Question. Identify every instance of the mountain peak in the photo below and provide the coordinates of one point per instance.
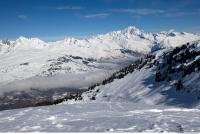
(170, 32)
(133, 30)
(25, 39)
(36, 42)
(21, 38)
(69, 40)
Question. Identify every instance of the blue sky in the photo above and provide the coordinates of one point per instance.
(56, 19)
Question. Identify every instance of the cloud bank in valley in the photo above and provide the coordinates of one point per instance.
(71, 81)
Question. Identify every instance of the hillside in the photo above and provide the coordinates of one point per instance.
(157, 93)
(33, 71)
(156, 90)
(167, 77)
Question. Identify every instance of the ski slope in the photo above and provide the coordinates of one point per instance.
(100, 117)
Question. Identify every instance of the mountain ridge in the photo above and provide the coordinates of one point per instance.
(125, 36)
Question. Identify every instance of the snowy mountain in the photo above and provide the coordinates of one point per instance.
(52, 68)
(40, 55)
(130, 38)
(156, 93)
(166, 77)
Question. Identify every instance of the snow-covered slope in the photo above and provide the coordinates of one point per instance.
(166, 77)
(145, 96)
(31, 59)
(135, 99)
(100, 117)
(174, 39)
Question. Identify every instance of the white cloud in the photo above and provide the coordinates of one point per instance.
(101, 15)
(144, 11)
(22, 17)
(141, 11)
(71, 81)
(65, 7)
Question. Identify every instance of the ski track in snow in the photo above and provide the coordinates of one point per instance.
(118, 117)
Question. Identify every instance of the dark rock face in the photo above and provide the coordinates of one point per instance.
(23, 64)
(130, 52)
(179, 62)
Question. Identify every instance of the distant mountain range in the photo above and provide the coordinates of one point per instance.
(105, 45)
